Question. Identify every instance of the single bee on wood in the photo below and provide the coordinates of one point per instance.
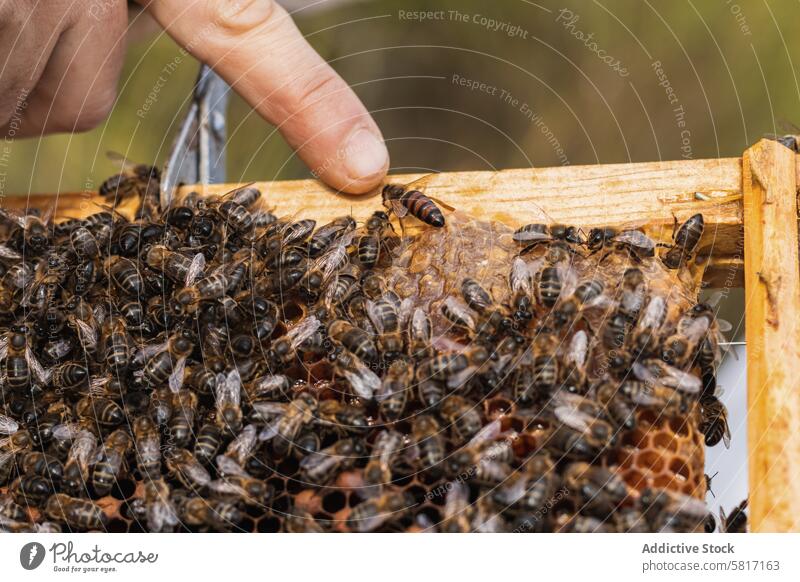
(411, 199)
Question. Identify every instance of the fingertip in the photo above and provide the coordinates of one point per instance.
(362, 163)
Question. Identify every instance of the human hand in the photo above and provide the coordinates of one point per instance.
(63, 60)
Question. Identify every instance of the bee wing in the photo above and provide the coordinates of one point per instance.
(7, 252)
(12, 216)
(680, 380)
(726, 436)
(228, 466)
(333, 259)
(516, 490)
(161, 515)
(636, 238)
(457, 500)
(8, 425)
(420, 324)
(520, 280)
(460, 378)
(653, 315)
(42, 375)
(573, 418)
(373, 312)
(119, 160)
(404, 311)
(303, 330)
(229, 388)
(364, 382)
(3, 347)
(446, 344)
(317, 459)
(195, 269)
(176, 377)
(399, 210)
(578, 348)
(460, 310)
(241, 447)
(97, 385)
(488, 433)
(65, 432)
(86, 333)
(225, 487)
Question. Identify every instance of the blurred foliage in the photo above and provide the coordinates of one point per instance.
(729, 65)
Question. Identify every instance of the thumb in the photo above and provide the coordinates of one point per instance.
(258, 50)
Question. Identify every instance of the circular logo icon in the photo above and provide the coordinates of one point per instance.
(31, 555)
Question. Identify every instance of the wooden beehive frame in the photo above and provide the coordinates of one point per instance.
(750, 209)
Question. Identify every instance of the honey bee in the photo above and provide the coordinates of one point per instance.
(81, 455)
(354, 339)
(410, 199)
(76, 513)
(429, 442)
(208, 441)
(324, 267)
(618, 408)
(574, 375)
(387, 320)
(68, 376)
(213, 513)
(454, 368)
(532, 235)
(22, 367)
(457, 516)
(634, 293)
(630, 240)
(322, 466)
(462, 416)
(184, 467)
(363, 381)
(373, 513)
(234, 483)
(181, 425)
(103, 411)
(666, 510)
(228, 399)
(161, 513)
(587, 417)
(369, 245)
(646, 334)
(520, 281)
(176, 266)
(342, 416)
(327, 234)
(284, 350)
(657, 372)
(530, 488)
(736, 522)
(588, 294)
(125, 275)
(133, 180)
(681, 348)
(168, 363)
(714, 424)
(685, 240)
(420, 334)
(44, 465)
(599, 492)
(458, 314)
(545, 362)
(484, 457)
(148, 447)
(301, 521)
(392, 395)
(112, 458)
(31, 490)
(286, 420)
(378, 472)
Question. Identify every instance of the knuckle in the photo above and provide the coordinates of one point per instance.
(241, 16)
(308, 91)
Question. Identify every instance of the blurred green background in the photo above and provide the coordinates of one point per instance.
(726, 66)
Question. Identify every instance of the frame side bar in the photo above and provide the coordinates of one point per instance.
(772, 319)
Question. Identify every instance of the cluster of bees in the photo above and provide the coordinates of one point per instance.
(200, 350)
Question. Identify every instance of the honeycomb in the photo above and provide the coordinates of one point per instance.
(663, 450)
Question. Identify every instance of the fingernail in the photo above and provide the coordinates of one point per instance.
(365, 155)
